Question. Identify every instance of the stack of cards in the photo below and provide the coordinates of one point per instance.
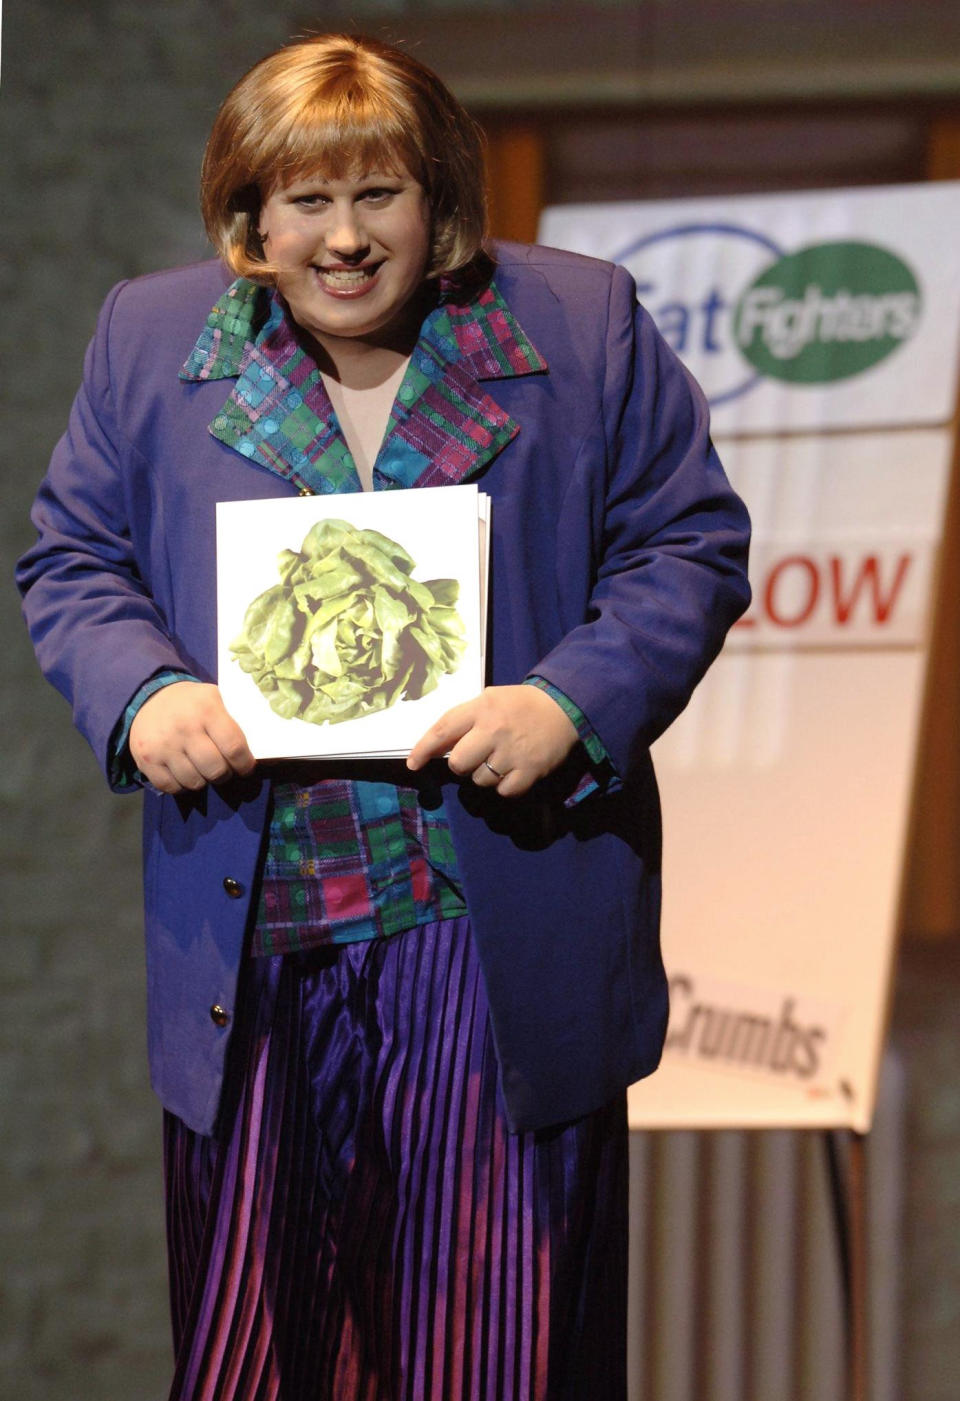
(348, 624)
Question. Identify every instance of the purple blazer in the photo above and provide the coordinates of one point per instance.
(618, 563)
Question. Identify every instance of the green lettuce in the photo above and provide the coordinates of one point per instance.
(348, 631)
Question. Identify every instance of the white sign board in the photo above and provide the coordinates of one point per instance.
(820, 310)
(786, 789)
(787, 782)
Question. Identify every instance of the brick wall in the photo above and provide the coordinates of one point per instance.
(103, 113)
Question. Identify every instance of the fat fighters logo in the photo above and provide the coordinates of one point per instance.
(750, 311)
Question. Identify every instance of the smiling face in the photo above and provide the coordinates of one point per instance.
(352, 254)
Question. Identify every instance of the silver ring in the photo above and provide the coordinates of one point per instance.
(496, 772)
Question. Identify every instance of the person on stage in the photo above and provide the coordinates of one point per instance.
(393, 1006)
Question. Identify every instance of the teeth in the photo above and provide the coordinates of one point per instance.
(345, 277)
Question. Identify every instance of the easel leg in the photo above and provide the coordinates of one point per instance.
(848, 1182)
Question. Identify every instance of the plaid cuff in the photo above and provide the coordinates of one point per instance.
(601, 774)
(122, 772)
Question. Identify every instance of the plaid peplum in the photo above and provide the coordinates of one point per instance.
(350, 860)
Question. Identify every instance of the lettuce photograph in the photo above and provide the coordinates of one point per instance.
(347, 631)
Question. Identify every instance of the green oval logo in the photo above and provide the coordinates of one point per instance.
(827, 312)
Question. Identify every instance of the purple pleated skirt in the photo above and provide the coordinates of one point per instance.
(364, 1227)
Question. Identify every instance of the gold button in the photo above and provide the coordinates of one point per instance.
(233, 887)
(219, 1015)
(305, 491)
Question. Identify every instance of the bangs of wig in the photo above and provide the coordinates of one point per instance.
(341, 133)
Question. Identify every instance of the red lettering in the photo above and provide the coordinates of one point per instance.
(775, 614)
(867, 578)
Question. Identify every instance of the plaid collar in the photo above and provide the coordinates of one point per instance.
(443, 427)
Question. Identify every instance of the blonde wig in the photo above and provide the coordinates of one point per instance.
(334, 105)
